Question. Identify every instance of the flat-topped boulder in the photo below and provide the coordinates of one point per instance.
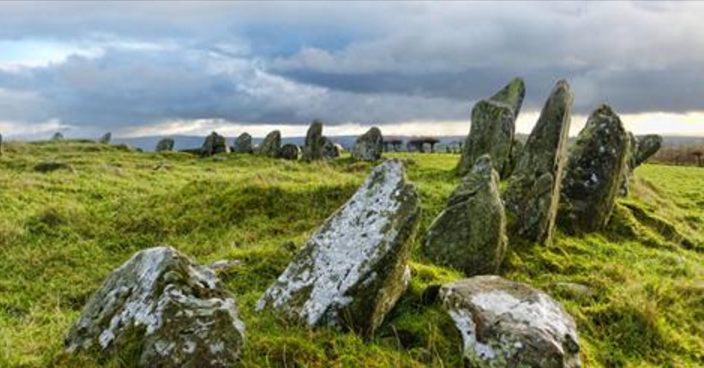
(105, 139)
(594, 173)
(369, 146)
(533, 192)
(243, 144)
(648, 145)
(313, 147)
(271, 145)
(214, 144)
(173, 311)
(510, 324)
(290, 152)
(165, 145)
(493, 127)
(353, 269)
(470, 233)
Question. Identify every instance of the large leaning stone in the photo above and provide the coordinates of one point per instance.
(493, 127)
(165, 145)
(313, 147)
(594, 173)
(470, 233)
(214, 144)
(369, 146)
(648, 145)
(533, 191)
(510, 324)
(172, 311)
(271, 145)
(243, 144)
(353, 269)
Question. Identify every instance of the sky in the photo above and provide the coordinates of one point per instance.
(412, 68)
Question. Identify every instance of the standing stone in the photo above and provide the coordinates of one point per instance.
(105, 139)
(243, 143)
(354, 267)
(533, 191)
(271, 145)
(57, 137)
(630, 165)
(369, 146)
(493, 127)
(330, 150)
(648, 145)
(470, 234)
(594, 173)
(510, 324)
(290, 152)
(173, 312)
(165, 144)
(313, 147)
(214, 144)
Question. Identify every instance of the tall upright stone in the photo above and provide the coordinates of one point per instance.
(533, 191)
(354, 268)
(493, 127)
(271, 145)
(165, 144)
(105, 139)
(214, 144)
(369, 146)
(470, 233)
(594, 173)
(648, 145)
(630, 165)
(243, 143)
(313, 147)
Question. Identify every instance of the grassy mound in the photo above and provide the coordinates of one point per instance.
(63, 230)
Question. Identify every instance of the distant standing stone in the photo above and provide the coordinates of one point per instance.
(243, 143)
(630, 165)
(470, 233)
(313, 147)
(353, 269)
(509, 324)
(165, 144)
(648, 145)
(369, 146)
(330, 151)
(176, 312)
(105, 139)
(214, 144)
(493, 127)
(271, 146)
(533, 191)
(338, 149)
(290, 152)
(57, 137)
(594, 173)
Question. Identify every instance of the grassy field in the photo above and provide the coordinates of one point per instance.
(62, 232)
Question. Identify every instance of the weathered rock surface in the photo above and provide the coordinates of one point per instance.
(369, 146)
(165, 144)
(594, 173)
(290, 152)
(648, 145)
(243, 144)
(493, 127)
(509, 324)
(313, 147)
(470, 233)
(330, 150)
(353, 269)
(214, 144)
(105, 139)
(513, 157)
(175, 311)
(630, 165)
(57, 137)
(271, 145)
(533, 191)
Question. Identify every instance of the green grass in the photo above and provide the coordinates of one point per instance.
(62, 232)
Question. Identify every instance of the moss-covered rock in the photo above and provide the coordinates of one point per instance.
(533, 190)
(369, 146)
(510, 324)
(493, 127)
(353, 269)
(165, 144)
(313, 147)
(290, 152)
(470, 233)
(214, 144)
(648, 145)
(243, 143)
(165, 309)
(594, 173)
(271, 145)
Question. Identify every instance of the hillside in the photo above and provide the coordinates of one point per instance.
(62, 232)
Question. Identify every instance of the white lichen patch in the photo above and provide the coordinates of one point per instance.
(468, 329)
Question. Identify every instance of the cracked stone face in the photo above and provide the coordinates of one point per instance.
(353, 269)
(172, 309)
(369, 146)
(510, 324)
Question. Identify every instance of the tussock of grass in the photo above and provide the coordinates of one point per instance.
(62, 232)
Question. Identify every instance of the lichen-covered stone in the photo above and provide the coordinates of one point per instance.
(105, 139)
(533, 192)
(243, 144)
(57, 137)
(271, 145)
(369, 146)
(330, 150)
(470, 233)
(313, 147)
(353, 269)
(648, 145)
(165, 144)
(510, 324)
(214, 144)
(173, 310)
(594, 173)
(493, 127)
(630, 165)
(513, 157)
(290, 152)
